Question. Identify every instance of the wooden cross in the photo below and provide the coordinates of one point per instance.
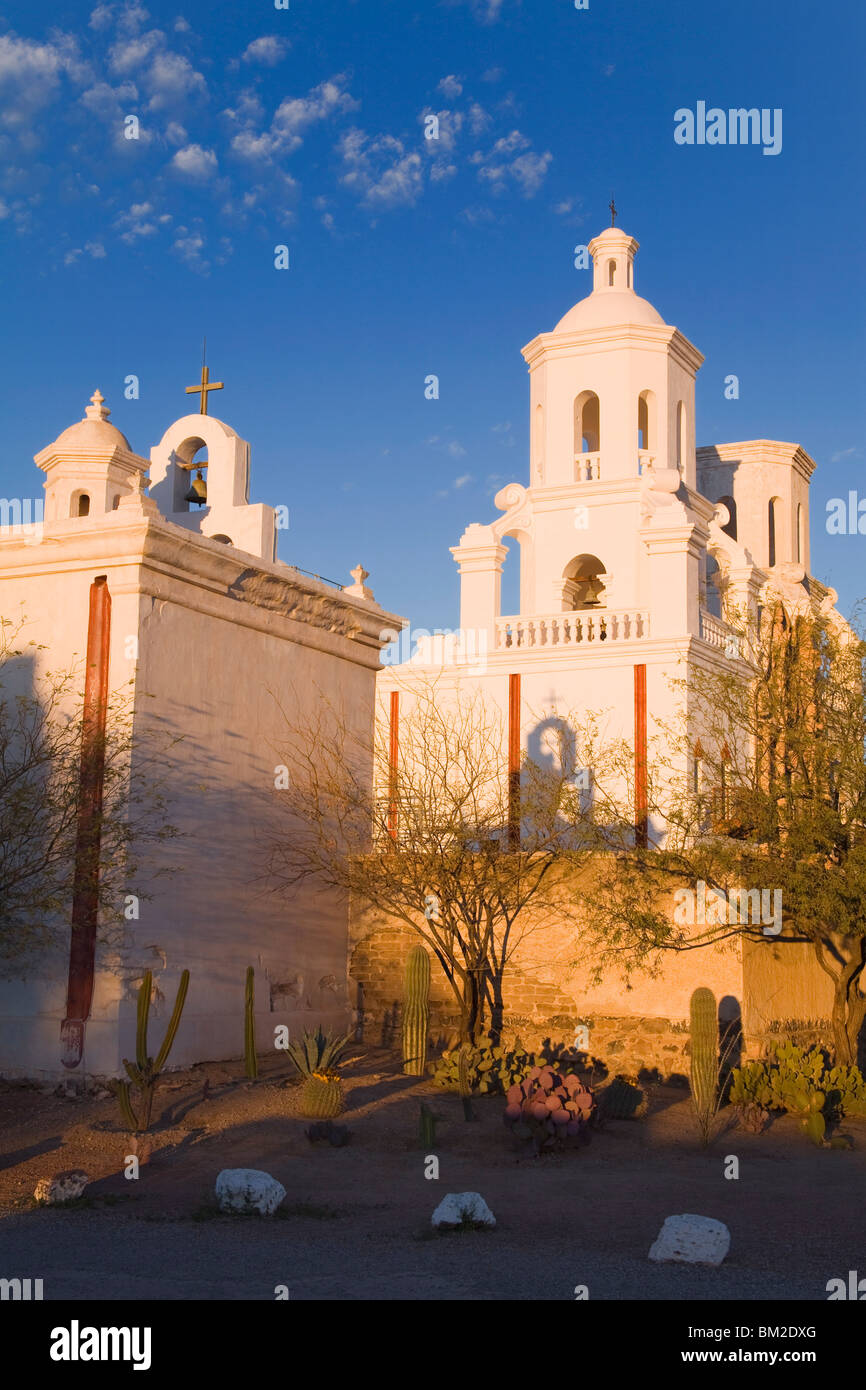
(612, 206)
(205, 385)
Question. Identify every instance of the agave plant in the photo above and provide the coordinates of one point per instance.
(317, 1052)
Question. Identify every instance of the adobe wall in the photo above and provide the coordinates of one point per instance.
(548, 994)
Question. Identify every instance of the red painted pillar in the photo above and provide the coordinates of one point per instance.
(514, 762)
(393, 754)
(640, 757)
(85, 889)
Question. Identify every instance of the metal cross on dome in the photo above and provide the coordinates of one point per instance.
(612, 206)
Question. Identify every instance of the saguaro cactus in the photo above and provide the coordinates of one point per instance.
(144, 1073)
(250, 1059)
(416, 1011)
(704, 1030)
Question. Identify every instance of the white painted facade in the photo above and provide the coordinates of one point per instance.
(209, 631)
(631, 542)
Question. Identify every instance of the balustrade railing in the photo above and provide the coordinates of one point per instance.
(576, 629)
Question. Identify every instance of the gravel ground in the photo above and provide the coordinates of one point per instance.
(356, 1220)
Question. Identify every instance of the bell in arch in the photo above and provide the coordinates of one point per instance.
(198, 491)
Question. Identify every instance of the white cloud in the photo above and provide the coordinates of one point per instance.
(30, 77)
(138, 222)
(291, 121)
(456, 450)
(450, 86)
(168, 77)
(175, 133)
(172, 80)
(94, 249)
(379, 171)
(844, 454)
(188, 246)
(268, 50)
(128, 54)
(478, 118)
(526, 169)
(463, 480)
(194, 162)
(530, 170)
(101, 17)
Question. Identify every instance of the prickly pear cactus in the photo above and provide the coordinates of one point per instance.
(321, 1096)
(416, 1012)
(704, 1029)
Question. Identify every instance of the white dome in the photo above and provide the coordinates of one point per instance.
(93, 432)
(606, 307)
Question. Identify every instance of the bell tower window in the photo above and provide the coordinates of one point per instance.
(611, 272)
(83, 505)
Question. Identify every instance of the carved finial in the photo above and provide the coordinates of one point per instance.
(97, 410)
(359, 588)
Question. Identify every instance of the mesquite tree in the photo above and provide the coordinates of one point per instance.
(441, 838)
(40, 787)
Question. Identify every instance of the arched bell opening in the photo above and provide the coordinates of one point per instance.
(584, 584)
(190, 483)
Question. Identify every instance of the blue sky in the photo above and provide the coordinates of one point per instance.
(305, 127)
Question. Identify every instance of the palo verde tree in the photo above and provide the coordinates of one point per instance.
(40, 788)
(440, 837)
(758, 791)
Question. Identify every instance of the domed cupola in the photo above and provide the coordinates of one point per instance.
(89, 467)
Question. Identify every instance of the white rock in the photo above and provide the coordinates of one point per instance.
(693, 1240)
(248, 1189)
(458, 1207)
(63, 1187)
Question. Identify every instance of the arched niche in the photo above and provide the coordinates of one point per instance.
(774, 537)
(647, 437)
(587, 423)
(518, 588)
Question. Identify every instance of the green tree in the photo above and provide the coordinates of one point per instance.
(760, 784)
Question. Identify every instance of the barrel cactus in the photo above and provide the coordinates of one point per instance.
(321, 1095)
(416, 1012)
(622, 1099)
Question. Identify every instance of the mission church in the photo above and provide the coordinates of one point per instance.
(631, 542)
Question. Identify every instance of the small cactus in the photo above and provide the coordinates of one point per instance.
(251, 1061)
(621, 1099)
(416, 1011)
(321, 1096)
(427, 1128)
(144, 1072)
